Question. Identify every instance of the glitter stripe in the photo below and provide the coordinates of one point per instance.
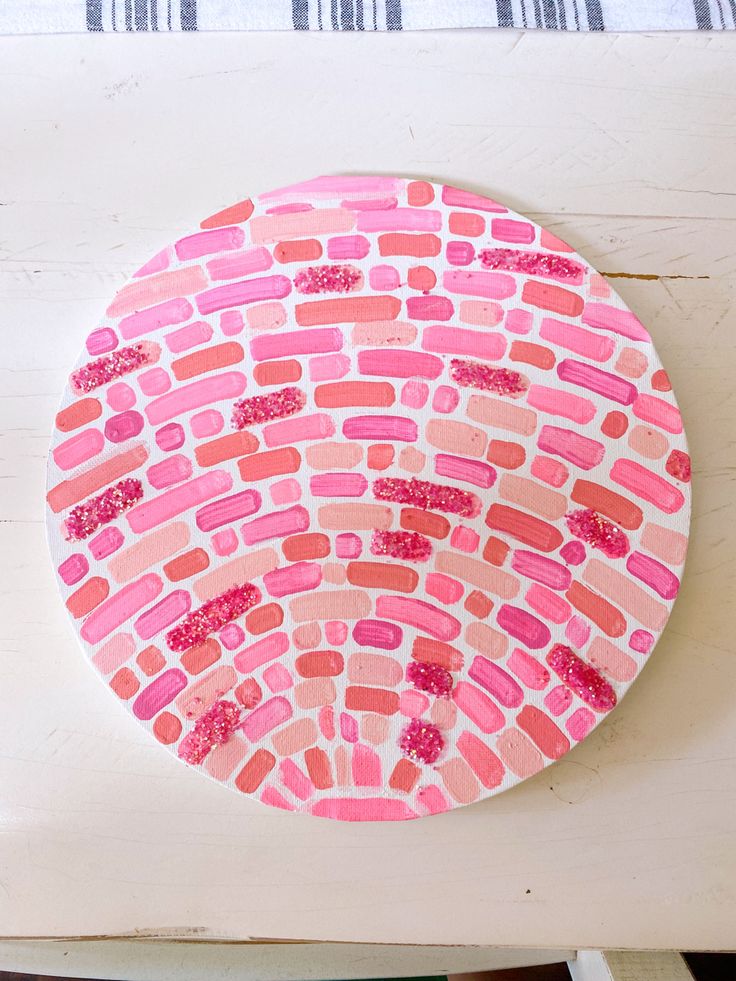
(87, 517)
(473, 374)
(408, 545)
(213, 728)
(427, 495)
(328, 279)
(544, 264)
(421, 742)
(99, 372)
(215, 613)
(596, 531)
(581, 678)
(432, 678)
(264, 408)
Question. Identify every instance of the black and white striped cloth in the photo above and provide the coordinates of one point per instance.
(71, 16)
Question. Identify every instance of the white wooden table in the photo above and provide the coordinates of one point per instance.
(625, 146)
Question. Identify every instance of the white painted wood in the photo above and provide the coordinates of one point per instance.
(109, 147)
(629, 965)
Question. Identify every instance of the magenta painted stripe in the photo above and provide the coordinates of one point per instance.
(654, 574)
(377, 633)
(338, 484)
(522, 625)
(484, 344)
(470, 471)
(647, 485)
(658, 412)
(159, 693)
(215, 388)
(198, 332)
(317, 426)
(163, 614)
(119, 607)
(261, 652)
(400, 220)
(78, 449)
(228, 509)
(559, 403)
(605, 317)
(399, 364)
(240, 264)
(571, 446)
(314, 341)
(294, 578)
(429, 308)
(496, 681)
(478, 707)
(278, 524)
(266, 717)
(509, 230)
(597, 347)
(416, 613)
(380, 427)
(541, 569)
(348, 247)
(491, 285)
(245, 291)
(170, 471)
(162, 315)
(205, 243)
(528, 669)
(457, 198)
(167, 505)
(603, 382)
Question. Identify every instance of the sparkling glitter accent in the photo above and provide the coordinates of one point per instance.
(215, 613)
(678, 465)
(263, 408)
(408, 545)
(427, 495)
(211, 729)
(328, 279)
(99, 372)
(473, 374)
(531, 263)
(421, 742)
(596, 531)
(581, 678)
(432, 678)
(87, 517)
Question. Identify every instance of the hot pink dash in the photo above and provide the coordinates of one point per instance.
(678, 465)
(115, 365)
(215, 613)
(533, 263)
(473, 374)
(581, 678)
(328, 279)
(87, 517)
(263, 408)
(211, 729)
(596, 531)
(408, 545)
(432, 678)
(421, 742)
(428, 496)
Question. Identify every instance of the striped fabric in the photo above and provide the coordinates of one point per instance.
(71, 16)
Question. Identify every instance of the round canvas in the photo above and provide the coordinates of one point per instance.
(368, 499)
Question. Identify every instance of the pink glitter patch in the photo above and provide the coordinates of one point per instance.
(432, 678)
(215, 613)
(427, 495)
(86, 518)
(421, 742)
(473, 374)
(408, 545)
(263, 408)
(328, 279)
(581, 678)
(678, 465)
(596, 531)
(99, 372)
(531, 263)
(211, 729)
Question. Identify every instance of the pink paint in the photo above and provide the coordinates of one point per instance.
(658, 413)
(114, 653)
(205, 243)
(299, 429)
(231, 322)
(414, 394)
(159, 693)
(231, 636)
(338, 485)
(577, 632)
(278, 678)
(170, 437)
(348, 728)
(496, 681)
(380, 428)
(445, 399)
(108, 541)
(597, 347)
(363, 809)
(154, 318)
(158, 263)
(285, 491)
(432, 800)
(573, 553)
(277, 524)
(366, 767)
(509, 230)
(214, 388)
(541, 568)
(455, 197)
(523, 626)
(478, 707)
(73, 569)
(595, 380)
(295, 780)
(120, 396)
(348, 546)
(548, 604)
(78, 449)
(119, 607)
(641, 641)
(318, 221)
(429, 308)
(647, 485)
(571, 446)
(167, 505)
(613, 662)
(559, 403)
(124, 426)
(348, 247)
(156, 381)
(465, 539)
(326, 721)
(400, 220)
(546, 265)
(267, 717)
(377, 633)
(519, 321)
(420, 615)
(580, 723)
(443, 588)
(654, 574)
(170, 471)
(228, 509)
(603, 316)
(384, 278)
(294, 578)
(240, 264)
(371, 204)
(163, 614)
(244, 291)
(299, 342)
(459, 253)
(328, 367)
(397, 363)
(551, 471)
(486, 345)
(528, 669)
(558, 700)
(225, 542)
(263, 651)
(102, 341)
(470, 471)
(207, 423)
(491, 285)
(482, 761)
(184, 338)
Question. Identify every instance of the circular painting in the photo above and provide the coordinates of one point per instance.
(369, 498)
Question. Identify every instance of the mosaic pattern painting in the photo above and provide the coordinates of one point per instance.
(368, 499)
